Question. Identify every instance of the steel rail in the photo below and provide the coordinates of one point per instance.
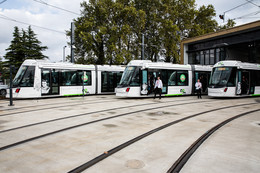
(87, 123)
(26, 111)
(65, 102)
(182, 160)
(77, 115)
(103, 156)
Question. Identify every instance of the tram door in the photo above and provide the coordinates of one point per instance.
(110, 80)
(148, 78)
(245, 83)
(50, 82)
(204, 79)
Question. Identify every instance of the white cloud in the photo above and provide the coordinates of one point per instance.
(35, 13)
(41, 15)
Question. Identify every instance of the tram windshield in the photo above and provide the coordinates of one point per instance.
(223, 76)
(130, 77)
(24, 76)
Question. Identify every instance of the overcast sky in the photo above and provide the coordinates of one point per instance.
(35, 13)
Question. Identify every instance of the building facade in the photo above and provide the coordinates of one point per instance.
(240, 43)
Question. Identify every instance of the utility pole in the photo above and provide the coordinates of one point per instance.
(64, 54)
(72, 41)
(142, 57)
(11, 87)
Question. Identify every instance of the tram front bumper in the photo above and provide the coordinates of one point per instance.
(121, 92)
(221, 92)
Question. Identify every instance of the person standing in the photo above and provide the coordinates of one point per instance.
(158, 87)
(198, 87)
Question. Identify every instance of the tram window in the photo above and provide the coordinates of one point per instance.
(232, 78)
(111, 78)
(172, 78)
(135, 79)
(222, 75)
(28, 78)
(19, 75)
(69, 78)
(257, 77)
(126, 77)
(118, 77)
(182, 78)
(87, 78)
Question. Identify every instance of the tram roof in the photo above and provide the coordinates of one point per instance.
(66, 65)
(239, 64)
(165, 65)
(158, 65)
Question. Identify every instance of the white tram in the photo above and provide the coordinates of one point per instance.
(177, 79)
(234, 79)
(38, 78)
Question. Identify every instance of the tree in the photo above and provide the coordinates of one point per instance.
(203, 22)
(230, 24)
(110, 31)
(104, 33)
(24, 46)
(33, 46)
(15, 53)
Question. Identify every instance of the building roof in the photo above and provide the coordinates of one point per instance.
(222, 33)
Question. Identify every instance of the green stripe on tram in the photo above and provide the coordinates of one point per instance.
(173, 95)
(255, 94)
(73, 95)
(85, 92)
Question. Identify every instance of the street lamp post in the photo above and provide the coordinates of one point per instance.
(142, 56)
(64, 53)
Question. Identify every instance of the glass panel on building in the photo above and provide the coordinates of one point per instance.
(211, 57)
(217, 55)
(197, 60)
(206, 53)
(190, 58)
(202, 58)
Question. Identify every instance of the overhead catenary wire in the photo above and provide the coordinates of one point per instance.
(247, 15)
(11, 19)
(3, 1)
(42, 2)
(253, 3)
(247, 1)
(236, 7)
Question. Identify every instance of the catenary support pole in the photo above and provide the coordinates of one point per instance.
(11, 87)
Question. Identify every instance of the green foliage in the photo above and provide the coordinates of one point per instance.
(104, 34)
(230, 24)
(110, 31)
(24, 46)
(203, 22)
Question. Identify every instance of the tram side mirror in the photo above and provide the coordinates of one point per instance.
(238, 88)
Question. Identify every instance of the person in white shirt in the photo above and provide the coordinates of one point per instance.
(158, 87)
(198, 87)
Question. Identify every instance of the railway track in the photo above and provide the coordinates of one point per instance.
(79, 115)
(91, 122)
(48, 104)
(48, 108)
(103, 156)
(183, 159)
